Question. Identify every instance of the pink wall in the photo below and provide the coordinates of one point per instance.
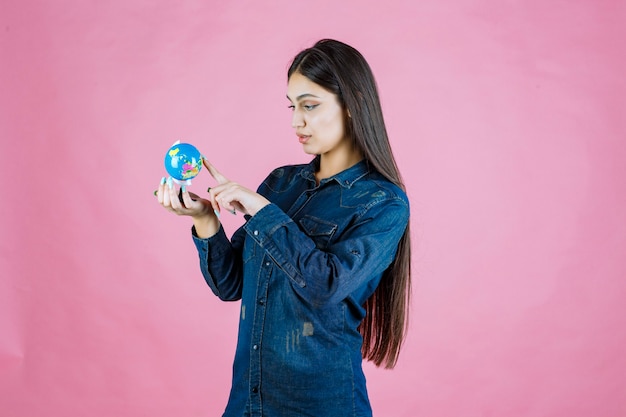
(508, 120)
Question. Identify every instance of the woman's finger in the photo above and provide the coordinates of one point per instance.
(159, 192)
(165, 196)
(172, 194)
(213, 201)
(214, 172)
(230, 197)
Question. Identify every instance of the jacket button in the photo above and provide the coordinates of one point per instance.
(256, 233)
(255, 347)
(255, 389)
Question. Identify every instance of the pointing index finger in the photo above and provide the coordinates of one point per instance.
(214, 172)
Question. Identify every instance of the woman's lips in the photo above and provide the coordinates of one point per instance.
(303, 138)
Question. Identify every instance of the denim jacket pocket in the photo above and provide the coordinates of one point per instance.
(321, 231)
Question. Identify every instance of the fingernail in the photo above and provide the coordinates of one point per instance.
(217, 213)
(234, 212)
(156, 192)
(208, 190)
(183, 189)
(170, 183)
(163, 181)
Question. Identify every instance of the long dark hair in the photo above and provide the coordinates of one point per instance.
(341, 69)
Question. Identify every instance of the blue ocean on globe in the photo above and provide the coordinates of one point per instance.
(183, 161)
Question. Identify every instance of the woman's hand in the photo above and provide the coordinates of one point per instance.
(232, 196)
(191, 204)
(204, 218)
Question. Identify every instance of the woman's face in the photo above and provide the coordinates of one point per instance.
(317, 117)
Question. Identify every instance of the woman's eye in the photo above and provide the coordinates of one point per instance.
(307, 107)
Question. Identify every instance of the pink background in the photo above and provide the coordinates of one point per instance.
(508, 121)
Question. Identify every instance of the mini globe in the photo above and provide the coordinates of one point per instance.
(183, 161)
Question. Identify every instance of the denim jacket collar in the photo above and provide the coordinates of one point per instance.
(345, 178)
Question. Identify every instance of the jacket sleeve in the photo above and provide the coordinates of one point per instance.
(330, 275)
(220, 263)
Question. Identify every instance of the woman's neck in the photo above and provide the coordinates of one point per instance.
(333, 164)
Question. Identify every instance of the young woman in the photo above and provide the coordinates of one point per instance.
(322, 264)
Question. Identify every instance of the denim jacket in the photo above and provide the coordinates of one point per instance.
(303, 266)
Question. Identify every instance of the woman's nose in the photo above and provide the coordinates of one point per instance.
(297, 120)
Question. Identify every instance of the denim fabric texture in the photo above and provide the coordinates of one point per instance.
(302, 267)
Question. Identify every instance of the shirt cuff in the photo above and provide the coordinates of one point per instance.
(265, 222)
(217, 244)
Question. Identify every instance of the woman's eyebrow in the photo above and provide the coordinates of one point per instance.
(303, 96)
